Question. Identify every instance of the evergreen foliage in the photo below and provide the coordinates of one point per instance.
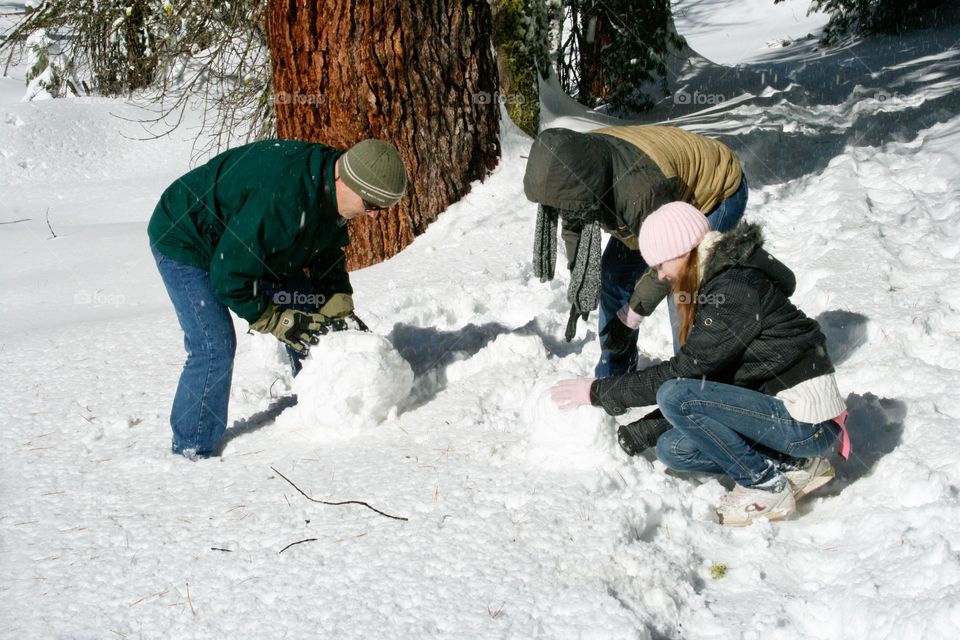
(609, 50)
(870, 16)
(520, 29)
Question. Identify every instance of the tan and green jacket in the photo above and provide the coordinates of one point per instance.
(629, 172)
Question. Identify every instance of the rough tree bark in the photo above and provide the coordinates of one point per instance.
(419, 74)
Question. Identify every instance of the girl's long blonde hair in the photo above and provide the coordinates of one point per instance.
(686, 291)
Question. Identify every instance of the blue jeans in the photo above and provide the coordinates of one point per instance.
(621, 267)
(721, 428)
(199, 414)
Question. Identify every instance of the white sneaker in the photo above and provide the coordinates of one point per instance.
(742, 506)
(810, 476)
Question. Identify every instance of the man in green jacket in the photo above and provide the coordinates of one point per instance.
(230, 234)
(612, 179)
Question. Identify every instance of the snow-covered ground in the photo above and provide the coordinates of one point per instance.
(520, 522)
(734, 31)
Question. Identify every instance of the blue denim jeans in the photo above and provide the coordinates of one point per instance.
(721, 428)
(199, 414)
(621, 267)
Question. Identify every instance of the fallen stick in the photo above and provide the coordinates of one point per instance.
(297, 542)
(53, 234)
(336, 504)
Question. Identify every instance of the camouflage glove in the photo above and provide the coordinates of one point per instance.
(297, 329)
(339, 308)
(356, 324)
(340, 305)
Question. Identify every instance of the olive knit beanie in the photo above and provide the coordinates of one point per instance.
(374, 171)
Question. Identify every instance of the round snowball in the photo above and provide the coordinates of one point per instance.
(350, 380)
(581, 438)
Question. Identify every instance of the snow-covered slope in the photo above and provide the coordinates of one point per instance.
(521, 522)
(734, 31)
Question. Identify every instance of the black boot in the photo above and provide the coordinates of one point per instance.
(637, 437)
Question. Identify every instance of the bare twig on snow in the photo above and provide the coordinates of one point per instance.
(337, 504)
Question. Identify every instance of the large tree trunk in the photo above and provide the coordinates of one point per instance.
(418, 74)
(597, 36)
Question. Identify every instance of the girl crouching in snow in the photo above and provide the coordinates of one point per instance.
(751, 394)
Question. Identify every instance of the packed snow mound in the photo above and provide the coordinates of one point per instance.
(349, 381)
(580, 439)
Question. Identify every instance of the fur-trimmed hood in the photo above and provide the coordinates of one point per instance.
(742, 246)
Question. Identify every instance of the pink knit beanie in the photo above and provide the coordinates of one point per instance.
(671, 231)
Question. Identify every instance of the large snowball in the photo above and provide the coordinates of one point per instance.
(350, 380)
(582, 438)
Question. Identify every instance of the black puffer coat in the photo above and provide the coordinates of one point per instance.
(746, 331)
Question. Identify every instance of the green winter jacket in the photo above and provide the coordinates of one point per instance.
(257, 213)
(629, 172)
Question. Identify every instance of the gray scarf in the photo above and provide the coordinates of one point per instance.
(545, 243)
(583, 294)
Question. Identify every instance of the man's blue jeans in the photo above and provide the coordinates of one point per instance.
(721, 428)
(199, 414)
(621, 267)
